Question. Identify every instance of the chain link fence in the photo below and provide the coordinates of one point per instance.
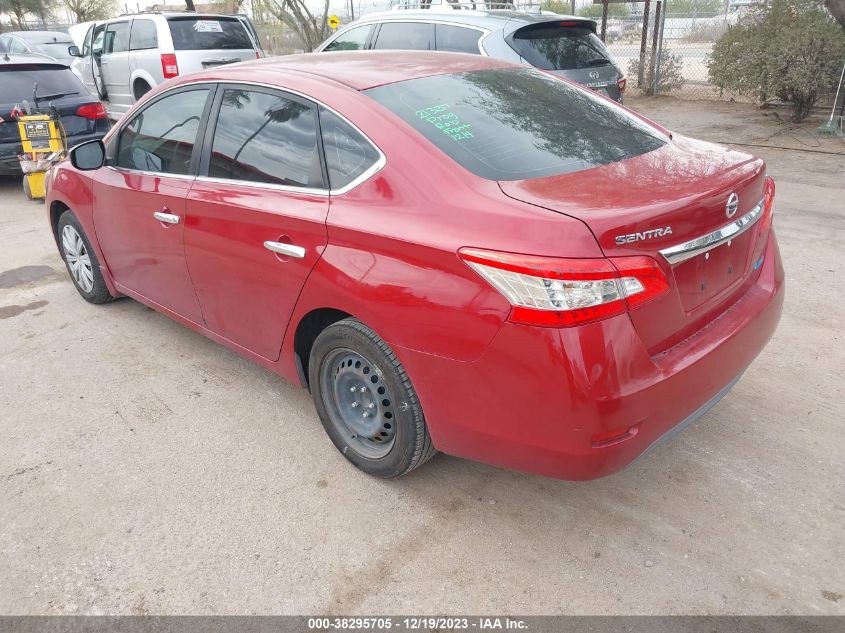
(680, 35)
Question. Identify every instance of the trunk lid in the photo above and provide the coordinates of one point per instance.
(659, 200)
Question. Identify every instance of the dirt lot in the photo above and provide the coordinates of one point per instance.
(145, 469)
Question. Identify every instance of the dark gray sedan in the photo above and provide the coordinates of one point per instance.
(564, 45)
(49, 43)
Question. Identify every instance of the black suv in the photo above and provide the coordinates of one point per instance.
(561, 44)
(42, 82)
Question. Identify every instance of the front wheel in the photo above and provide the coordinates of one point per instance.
(81, 261)
(366, 401)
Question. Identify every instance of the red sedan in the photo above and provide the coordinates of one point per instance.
(450, 252)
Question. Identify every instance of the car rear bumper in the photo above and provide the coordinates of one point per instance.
(581, 403)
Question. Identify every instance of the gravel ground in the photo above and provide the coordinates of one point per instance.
(147, 470)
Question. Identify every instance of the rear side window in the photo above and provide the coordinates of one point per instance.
(161, 137)
(414, 36)
(117, 38)
(348, 153)
(19, 81)
(143, 36)
(514, 123)
(16, 46)
(206, 34)
(559, 47)
(353, 40)
(263, 137)
(457, 39)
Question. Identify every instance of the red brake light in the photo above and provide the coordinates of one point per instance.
(768, 204)
(169, 67)
(551, 291)
(622, 84)
(92, 111)
(569, 23)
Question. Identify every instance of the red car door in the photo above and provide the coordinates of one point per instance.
(140, 201)
(256, 217)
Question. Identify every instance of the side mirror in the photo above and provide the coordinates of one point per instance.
(88, 155)
(73, 51)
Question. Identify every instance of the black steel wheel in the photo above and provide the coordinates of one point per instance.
(366, 402)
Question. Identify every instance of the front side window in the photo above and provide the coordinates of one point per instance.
(352, 40)
(415, 36)
(457, 39)
(517, 123)
(265, 137)
(17, 46)
(348, 153)
(117, 38)
(161, 137)
(86, 44)
(143, 36)
(99, 38)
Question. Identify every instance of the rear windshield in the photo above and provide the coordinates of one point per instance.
(205, 34)
(560, 48)
(514, 123)
(54, 49)
(19, 82)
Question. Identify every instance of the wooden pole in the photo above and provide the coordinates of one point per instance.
(604, 5)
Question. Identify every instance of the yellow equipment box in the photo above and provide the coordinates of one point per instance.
(41, 136)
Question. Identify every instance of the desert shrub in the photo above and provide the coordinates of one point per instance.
(789, 49)
(671, 73)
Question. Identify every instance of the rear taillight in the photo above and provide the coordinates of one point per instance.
(768, 204)
(92, 111)
(622, 84)
(169, 67)
(551, 291)
(257, 55)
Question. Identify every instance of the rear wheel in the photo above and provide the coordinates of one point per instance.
(366, 401)
(81, 261)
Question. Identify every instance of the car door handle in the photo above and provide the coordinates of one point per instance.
(161, 216)
(285, 249)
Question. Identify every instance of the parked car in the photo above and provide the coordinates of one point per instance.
(42, 82)
(53, 44)
(124, 58)
(450, 251)
(564, 45)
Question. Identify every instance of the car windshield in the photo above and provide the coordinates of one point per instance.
(514, 123)
(560, 48)
(19, 82)
(205, 34)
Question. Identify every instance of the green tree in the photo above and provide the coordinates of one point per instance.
(310, 28)
(614, 10)
(789, 49)
(17, 10)
(694, 8)
(89, 10)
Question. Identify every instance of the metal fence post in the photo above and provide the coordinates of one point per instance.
(659, 55)
(643, 47)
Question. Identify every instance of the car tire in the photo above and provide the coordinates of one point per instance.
(366, 401)
(81, 260)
